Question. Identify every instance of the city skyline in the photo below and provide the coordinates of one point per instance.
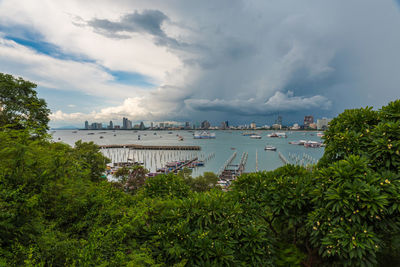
(190, 60)
(309, 123)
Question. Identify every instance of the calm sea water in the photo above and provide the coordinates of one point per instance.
(222, 147)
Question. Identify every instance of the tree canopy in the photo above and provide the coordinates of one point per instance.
(19, 105)
(56, 210)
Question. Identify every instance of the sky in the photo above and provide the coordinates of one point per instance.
(190, 60)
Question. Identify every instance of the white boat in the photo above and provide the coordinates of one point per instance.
(280, 135)
(270, 148)
(204, 135)
(255, 136)
(320, 134)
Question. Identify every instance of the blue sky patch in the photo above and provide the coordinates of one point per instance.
(34, 40)
(131, 78)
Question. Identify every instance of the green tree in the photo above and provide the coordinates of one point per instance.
(20, 107)
(131, 178)
(93, 163)
(355, 209)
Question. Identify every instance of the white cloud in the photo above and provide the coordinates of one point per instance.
(236, 58)
(54, 21)
(50, 72)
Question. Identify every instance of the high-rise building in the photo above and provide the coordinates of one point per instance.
(142, 127)
(111, 125)
(96, 126)
(128, 124)
(151, 125)
(187, 125)
(205, 125)
(161, 125)
(253, 125)
(124, 123)
(86, 125)
(308, 120)
(322, 124)
(223, 125)
(279, 120)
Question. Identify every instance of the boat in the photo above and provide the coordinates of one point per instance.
(90, 134)
(101, 137)
(169, 132)
(180, 138)
(280, 135)
(115, 135)
(255, 136)
(295, 143)
(247, 134)
(204, 135)
(138, 137)
(154, 133)
(320, 134)
(74, 131)
(270, 148)
(313, 144)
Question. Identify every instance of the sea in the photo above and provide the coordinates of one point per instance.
(215, 152)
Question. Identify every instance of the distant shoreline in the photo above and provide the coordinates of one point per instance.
(248, 130)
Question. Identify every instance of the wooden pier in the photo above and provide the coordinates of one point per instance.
(282, 157)
(229, 171)
(142, 147)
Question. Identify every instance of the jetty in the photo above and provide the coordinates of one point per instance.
(282, 157)
(143, 147)
(184, 165)
(231, 171)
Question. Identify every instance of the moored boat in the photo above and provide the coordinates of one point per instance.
(255, 136)
(204, 135)
(280, 135)
(270, 148)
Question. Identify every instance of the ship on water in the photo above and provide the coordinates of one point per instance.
(204, 135)
(279, 135)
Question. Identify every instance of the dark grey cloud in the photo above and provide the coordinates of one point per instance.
(331, 55)
(278, 103)
(148, 21)
(241, 58)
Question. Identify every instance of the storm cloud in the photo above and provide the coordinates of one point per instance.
(236, 60)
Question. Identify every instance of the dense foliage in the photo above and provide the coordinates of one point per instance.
(57, 210)
(20, 107)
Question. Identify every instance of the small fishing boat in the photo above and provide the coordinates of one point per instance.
(280, 135)
(270, 148)
(204, 135)
(255, 136)
(101, 137)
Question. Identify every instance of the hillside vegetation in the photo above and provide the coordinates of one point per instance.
(56, 210)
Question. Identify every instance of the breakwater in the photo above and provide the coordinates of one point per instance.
(144, 147)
